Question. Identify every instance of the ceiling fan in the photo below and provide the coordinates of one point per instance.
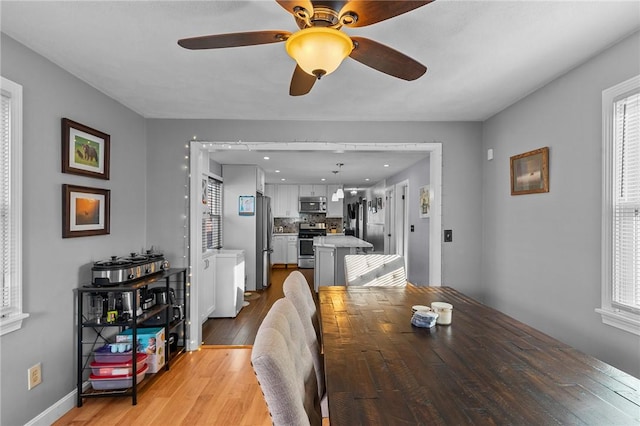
(320, 46)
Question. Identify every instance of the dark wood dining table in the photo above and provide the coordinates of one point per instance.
(484, 368)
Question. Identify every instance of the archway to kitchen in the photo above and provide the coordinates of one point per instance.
(199, 151)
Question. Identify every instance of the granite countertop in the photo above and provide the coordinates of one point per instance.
(286, 234)
(334, 241)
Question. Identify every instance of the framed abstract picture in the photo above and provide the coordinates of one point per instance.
(246, 205)
(424, 198)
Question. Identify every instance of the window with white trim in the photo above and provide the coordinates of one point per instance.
(621, 206)
(11, 314)
(212, 218)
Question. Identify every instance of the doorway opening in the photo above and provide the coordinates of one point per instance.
(199, 161)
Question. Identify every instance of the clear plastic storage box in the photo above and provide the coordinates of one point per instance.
(117, 368)
(117, 382)
(108, 354)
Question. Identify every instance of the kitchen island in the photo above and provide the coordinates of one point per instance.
(329, 253)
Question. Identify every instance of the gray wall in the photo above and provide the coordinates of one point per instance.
(53, 266)
(417, 176)
(239, 232)
(541, 252)
(462, 165)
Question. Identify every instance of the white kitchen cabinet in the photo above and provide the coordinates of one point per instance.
(313, 190)
(325, 266)
(206, 289)
(292, 249)
(229, 270)
(289, 198)
(284, 200)
(279, 244)
(334, 208)
(270, 191)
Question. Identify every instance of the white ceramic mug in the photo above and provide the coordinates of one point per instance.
(444, 311)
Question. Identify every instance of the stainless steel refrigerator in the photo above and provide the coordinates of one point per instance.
(264, 230)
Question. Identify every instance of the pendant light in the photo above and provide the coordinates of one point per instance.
(339, 194)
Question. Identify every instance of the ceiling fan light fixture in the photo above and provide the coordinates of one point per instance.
(319, 51)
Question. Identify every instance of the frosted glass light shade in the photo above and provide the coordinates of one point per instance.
(340, 193)
(319, 51)
(334, 197)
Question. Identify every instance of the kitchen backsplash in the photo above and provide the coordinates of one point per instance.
(290, 225)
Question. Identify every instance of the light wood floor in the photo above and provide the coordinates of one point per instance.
(213, 386)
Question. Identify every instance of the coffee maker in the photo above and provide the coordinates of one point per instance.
(164, 297)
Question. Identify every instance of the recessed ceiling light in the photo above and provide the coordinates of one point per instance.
(386, 165)
(323, 179)
(277, 171)
(283, 179)
(367, 179)
(266, 158)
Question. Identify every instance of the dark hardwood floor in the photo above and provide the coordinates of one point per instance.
(242, 329)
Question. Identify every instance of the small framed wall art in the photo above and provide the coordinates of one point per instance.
(425, 201)
(247, 205)
(85, 151)
(85, 211)
(530, 172)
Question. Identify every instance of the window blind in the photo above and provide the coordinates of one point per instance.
(626, 204)
(212, 219)
(5, 207)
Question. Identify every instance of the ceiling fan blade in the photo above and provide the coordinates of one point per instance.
(290, 5)
(372, 11)
(385, 59)
(301, 82)
(218, 41)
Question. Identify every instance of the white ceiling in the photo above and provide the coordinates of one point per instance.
(481, 57)
(363, 165)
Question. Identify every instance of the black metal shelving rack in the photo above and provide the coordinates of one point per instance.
(85, 348)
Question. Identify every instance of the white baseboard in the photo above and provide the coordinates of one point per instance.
(57, 410)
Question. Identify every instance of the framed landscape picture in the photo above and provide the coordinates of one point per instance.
(530, 172)
(85, 211)
(85, 151)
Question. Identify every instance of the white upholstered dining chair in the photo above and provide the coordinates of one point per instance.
(296, 288)
(379, 270)
(284, 367)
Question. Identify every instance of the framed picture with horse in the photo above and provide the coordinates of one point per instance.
(85, 151)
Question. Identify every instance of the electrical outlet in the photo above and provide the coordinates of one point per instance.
(34, 376)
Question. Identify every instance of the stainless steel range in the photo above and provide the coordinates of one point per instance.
(118, 270)
(306, 232)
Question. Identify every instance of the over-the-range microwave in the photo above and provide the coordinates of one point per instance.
(312, 204)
